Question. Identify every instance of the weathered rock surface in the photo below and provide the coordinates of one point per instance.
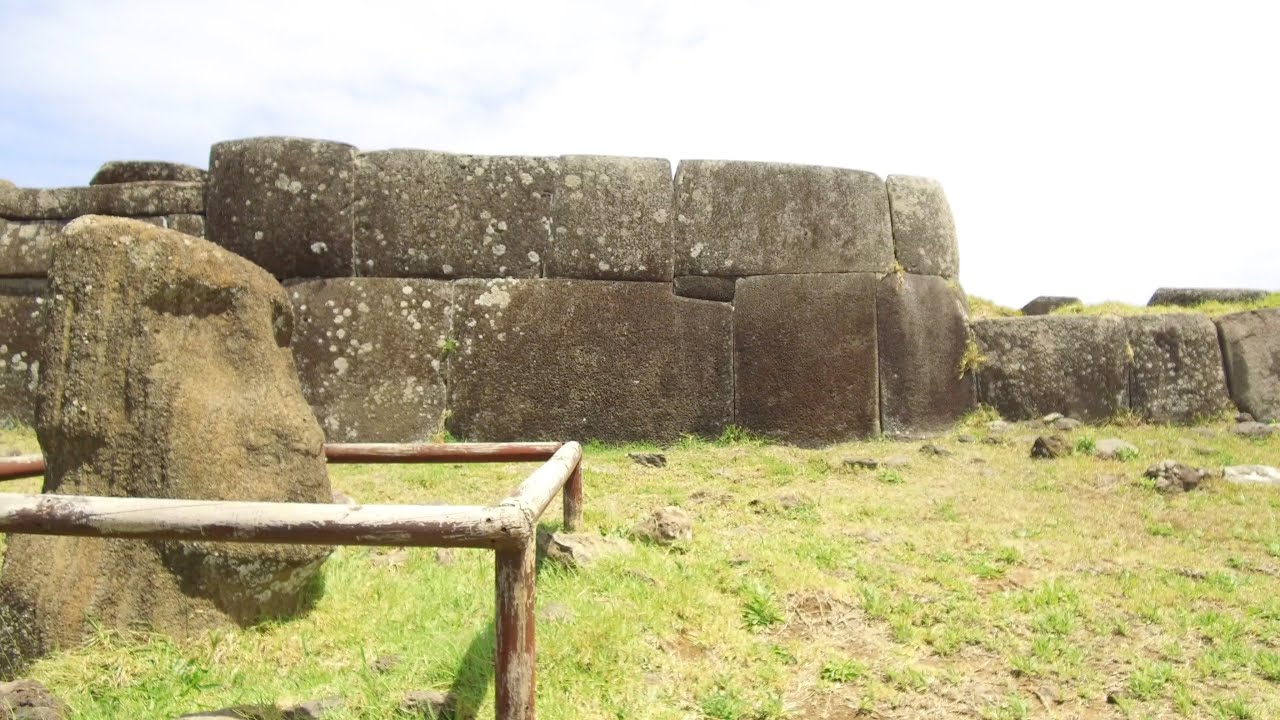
(653, 460)
(431, 214)
(1171, 476)
(705, 287)
(1076, 365)
(1050, 446)
(370, 355)
(665, 526)
(924, 232)
(1175, 375)
(428, 704)
(127, 199)
(1187, 297)
(1253, 429)
(1046, 304)
(1252, 474)
(577, 550)
(611, 219)
(548, 359)
(805, 357)
(284, 203)
(166, 372)
(25, 245)
(127, 171)
(921, 332)
(20, 333)
(1251, 356)
(755, 218)
(1114, 449)
(29, 700)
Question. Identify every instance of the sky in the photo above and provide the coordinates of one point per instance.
(1093, 149)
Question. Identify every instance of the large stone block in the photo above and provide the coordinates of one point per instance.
(1175, 374)
(924, 233)
(284, 203)
(805, 357)
(370, 353)
(25, 245)
(1187, 297)
(753, 218)
(564, 359)
(126, 171)
(439, 215)
(922, 331)
(1251, 356)
(1075, 365)
(165, 372)
(611, 219)
(705, 287)
(136, 199)
(1045, 304)
(20, 333)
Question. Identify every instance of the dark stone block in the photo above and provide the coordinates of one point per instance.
(705, 287)
(1251, 356)
(439, 215)
(1176, 374)
(922, 330)
(611, 219)
(580, 359)
(21, 306)
(1046, 304)
(1187, 297)
(1074, 365)
(284, 203)
(127, 171)
(370, 353)
(805, 357)
(125, 200)
(924, 233)
(753, 218)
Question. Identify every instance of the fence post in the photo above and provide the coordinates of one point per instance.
(573, 499)
(516, 668)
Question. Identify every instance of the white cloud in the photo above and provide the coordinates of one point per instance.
(1098, 149)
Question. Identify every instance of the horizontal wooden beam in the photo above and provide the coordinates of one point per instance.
(265, 522)
(541, 487)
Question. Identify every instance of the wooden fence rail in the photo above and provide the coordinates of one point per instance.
(508, 528)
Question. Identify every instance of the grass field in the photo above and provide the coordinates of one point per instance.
(981, 308)
(982, 584)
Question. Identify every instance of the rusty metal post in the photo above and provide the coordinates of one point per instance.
(516, 673)
(573, 500)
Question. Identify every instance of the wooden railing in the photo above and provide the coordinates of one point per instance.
(508, 528)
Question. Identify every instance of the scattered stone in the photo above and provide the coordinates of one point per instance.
(1046, 304)
(341, 498)
(239, 712)
(171, 357)
(653, 460)
(127, 171)
(791, 501)
(384, 664)
(994, 440)
(445, 556)
(29, 700)
(428, 703)
(1244, 417)
(1066, 424)
(1050, 446)
(1253, 429)
(1187, 297)
(555, 612)
(666, 526)
(997, 426)
(935, 450)
(1252, 474)
(1051, 418)
(966, 439)
(861, 463)
(1114, 449)
(1172, 476)
(739, 561)
(391, 558)
(312, 709)
(578, 550)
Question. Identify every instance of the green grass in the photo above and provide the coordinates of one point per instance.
(982, 308)
(957, 586)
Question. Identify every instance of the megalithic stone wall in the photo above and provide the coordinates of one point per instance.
(508, 297)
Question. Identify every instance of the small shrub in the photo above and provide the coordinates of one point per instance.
(1086, 445)
(890, 477)
(759, 610)
(842, 671)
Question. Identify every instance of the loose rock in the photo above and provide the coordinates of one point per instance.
(555, 612)
(666, 526)
(1050, 446)
(1253, 429)
(1066, 424)
(1051, 418)
(578, 550)
(1252, 474)
(654, 460)
(312, 709)
(1174, 477)
(935, 450)
(428, 703)
(1114, 449)
(29, 700)
(861, 463)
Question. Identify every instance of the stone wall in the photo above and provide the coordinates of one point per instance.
(507, 297)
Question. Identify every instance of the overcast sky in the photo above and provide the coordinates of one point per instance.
(1097, 149)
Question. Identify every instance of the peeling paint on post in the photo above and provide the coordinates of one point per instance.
(573, 499)
(516, 675)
